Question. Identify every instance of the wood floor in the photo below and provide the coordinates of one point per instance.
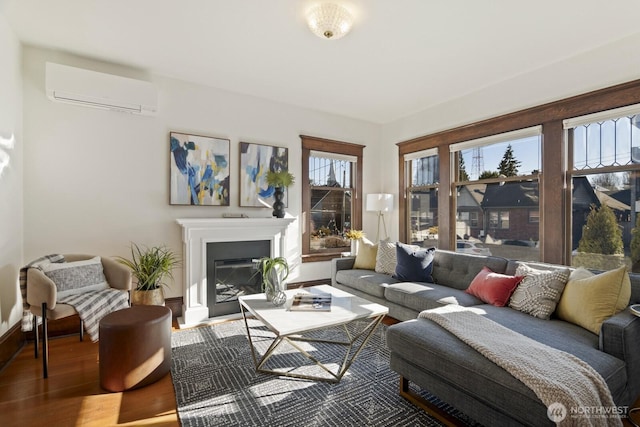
(72, 396)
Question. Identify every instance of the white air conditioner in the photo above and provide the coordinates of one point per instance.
(99, 90)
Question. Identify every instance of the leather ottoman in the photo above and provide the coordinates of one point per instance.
(135, 347)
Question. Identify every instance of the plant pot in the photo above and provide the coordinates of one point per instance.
(354, 247)
(151, 297)
(278, 205)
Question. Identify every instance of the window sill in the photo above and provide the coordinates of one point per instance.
(320, 257)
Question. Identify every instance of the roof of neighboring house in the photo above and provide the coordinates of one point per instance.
(583, 194)
(611, 202)
(511, 195)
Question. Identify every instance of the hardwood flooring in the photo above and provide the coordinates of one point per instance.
(72, 396)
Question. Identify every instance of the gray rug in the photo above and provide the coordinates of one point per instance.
(216, 383)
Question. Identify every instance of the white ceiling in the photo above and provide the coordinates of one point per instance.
(401, 57)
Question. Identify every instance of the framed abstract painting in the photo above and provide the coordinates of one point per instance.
(199, 170)
(255, 161)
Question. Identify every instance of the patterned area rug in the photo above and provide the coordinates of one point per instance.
(216, 383)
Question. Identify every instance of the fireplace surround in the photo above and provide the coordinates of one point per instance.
(198, 232)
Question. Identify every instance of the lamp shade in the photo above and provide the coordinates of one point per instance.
(379, 202)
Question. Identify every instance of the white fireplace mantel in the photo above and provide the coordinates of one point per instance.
(197, 232)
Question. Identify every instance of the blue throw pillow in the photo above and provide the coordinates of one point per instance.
(414, 265)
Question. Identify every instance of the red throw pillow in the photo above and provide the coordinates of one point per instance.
(493, 288)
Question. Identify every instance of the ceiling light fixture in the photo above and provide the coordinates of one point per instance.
(329, 21)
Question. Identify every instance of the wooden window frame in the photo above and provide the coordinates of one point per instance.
(554, 197)
(312, 143)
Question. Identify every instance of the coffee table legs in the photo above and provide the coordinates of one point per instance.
(352, 352)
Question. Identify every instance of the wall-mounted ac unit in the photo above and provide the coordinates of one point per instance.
(99, 90)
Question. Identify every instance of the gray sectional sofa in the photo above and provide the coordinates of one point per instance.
(435, 360)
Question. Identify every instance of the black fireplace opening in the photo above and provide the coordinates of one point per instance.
(232, 272)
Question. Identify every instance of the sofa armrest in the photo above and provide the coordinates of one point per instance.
(40, 289)
(620, 337)
(337, 264)
(118, 275)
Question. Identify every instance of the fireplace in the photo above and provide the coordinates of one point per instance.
(197, 234)
(232, 272)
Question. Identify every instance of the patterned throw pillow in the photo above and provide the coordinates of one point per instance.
(77, 276)
(386, 257)
(539, 292)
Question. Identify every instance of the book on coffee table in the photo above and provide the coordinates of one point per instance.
(311, 302)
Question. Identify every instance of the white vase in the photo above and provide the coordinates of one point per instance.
(354, 247)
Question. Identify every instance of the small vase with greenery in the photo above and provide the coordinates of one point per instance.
(279, 180)
(150, 266)
(274, 272)
(354, 236)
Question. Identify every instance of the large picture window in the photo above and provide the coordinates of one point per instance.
(496, 182)
(605, 170)
(422, 197)
(331, 196)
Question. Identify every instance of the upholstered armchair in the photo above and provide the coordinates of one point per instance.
(58, 290)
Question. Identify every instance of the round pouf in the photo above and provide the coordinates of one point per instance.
(135, 347)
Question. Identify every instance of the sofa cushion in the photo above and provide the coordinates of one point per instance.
(424, 296)
(590, 299)
(366, 281)
(493, 288)
(414, 265)
(458, 270)
(539, 292)
(366, 256)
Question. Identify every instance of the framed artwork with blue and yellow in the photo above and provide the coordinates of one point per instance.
(199, 170)
(255, 161)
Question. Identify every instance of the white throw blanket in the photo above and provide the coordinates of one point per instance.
(92, 306)
(555, 376)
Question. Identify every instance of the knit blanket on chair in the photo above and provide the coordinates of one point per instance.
(94, 305)
(567, 380)
(27, 316)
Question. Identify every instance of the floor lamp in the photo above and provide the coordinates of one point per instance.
(381, 203)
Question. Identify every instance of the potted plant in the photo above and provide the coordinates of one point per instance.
(279, 180)
(354, 236)
(274, 272)
(150, 268)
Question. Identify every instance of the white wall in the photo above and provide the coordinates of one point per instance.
(11, 185)
(97, 180)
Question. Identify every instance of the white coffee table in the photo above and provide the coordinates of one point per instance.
(289, 326)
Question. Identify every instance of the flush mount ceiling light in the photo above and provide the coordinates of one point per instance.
(329, 21)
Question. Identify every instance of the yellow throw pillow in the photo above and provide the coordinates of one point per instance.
(366, 256)
(590, 299)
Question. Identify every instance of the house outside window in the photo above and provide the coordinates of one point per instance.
(331, 196)
(495, 183)
(422, 172)
(604, 151)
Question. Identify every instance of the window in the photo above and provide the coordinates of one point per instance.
(498, 220)
(422, 172)
(496, 189)
(331, 196)
(605, 172)
(534, 216)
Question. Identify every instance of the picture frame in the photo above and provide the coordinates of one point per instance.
(199, 170)
(255, 161)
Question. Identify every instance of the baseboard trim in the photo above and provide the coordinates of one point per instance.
(10, 344)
